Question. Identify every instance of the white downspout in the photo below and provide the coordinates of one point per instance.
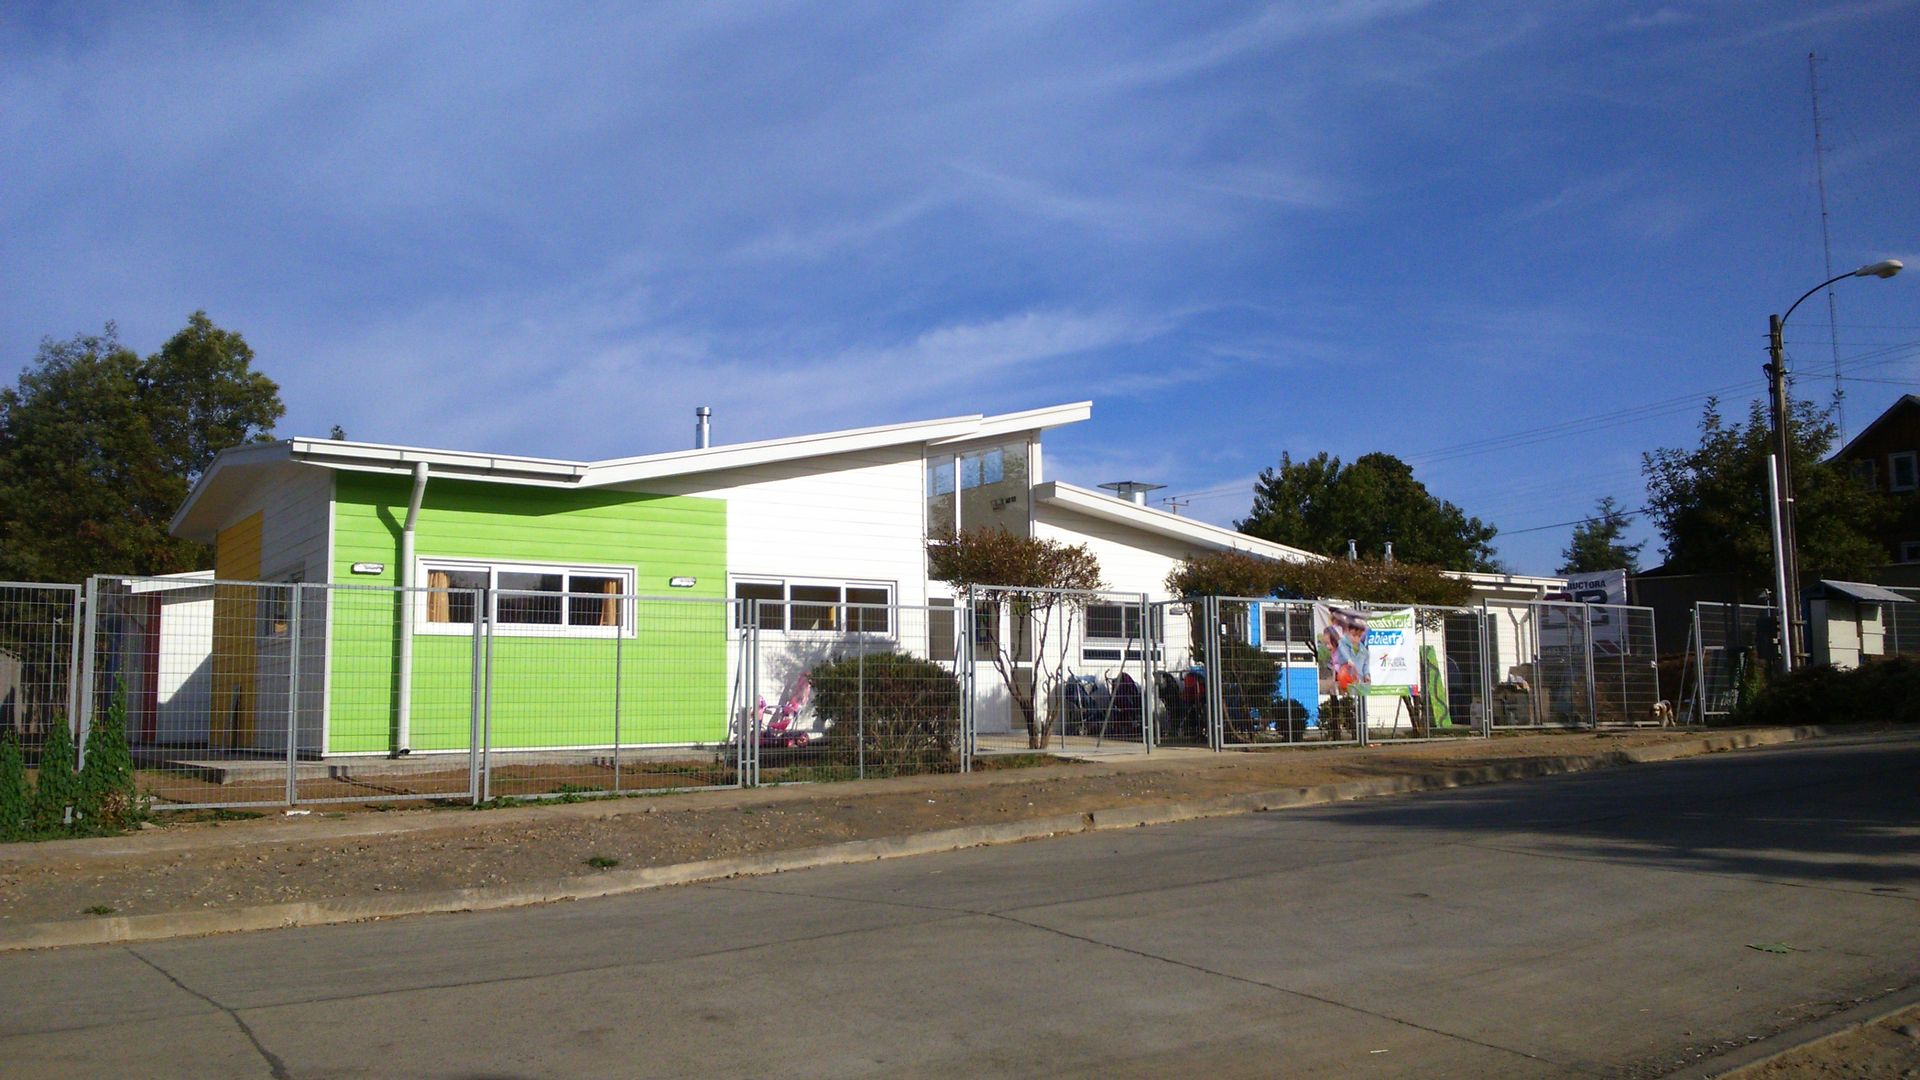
(404, 742)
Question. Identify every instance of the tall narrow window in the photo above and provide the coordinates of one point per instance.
(941, 513)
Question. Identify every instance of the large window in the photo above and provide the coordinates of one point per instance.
(1286, 625)
(1114, 632)
(527, 599)
(816, 606)
(985, 487)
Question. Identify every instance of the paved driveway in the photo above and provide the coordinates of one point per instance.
(1600, 924)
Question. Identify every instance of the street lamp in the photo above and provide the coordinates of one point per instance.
(1786, 570)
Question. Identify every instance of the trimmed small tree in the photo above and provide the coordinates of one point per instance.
(13, 788)
(56, 785)
(106, 799)
(1040, 585)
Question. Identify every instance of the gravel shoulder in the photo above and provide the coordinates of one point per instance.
(327, 855)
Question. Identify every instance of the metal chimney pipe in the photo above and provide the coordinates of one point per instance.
(701, 416)
(1389, 551)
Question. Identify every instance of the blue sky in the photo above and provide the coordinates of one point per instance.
(1240, 229)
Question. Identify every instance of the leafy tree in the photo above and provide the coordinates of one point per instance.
(1710, 501)
(1002, 569)
(56, 786)
(98, 448)
(1597, 545)
(1372, 581)
(1319, 504)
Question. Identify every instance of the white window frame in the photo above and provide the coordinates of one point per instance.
(493, 569)
(1116, 649)
(786, 585)
(1301, 647)
(1912, 460)
(951, 458)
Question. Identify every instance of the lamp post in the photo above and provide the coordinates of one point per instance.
(1785, 561)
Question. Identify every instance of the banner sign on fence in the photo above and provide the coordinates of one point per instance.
(1393, 662)
(1562, 629)
(1340, 639)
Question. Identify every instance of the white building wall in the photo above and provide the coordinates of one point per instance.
(295, 528)
(851, 517)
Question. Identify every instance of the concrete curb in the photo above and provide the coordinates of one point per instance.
(107, 930)
(1749, 1060)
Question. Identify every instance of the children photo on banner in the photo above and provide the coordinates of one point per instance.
(1340, 640)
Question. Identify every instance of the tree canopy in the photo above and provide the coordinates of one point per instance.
(1373, 581)
(1597, 543)
(1319, 504)
(1710, 501)
(99, 447)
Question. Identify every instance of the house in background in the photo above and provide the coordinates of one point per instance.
(1886, 456)
(600, 563)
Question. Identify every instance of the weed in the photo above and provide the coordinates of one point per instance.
(603, 862)
(99, 909)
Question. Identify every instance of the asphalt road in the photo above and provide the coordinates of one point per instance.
(1600, 924)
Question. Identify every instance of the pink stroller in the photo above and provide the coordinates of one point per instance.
(785, 728)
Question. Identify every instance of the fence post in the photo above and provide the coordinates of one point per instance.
(293, 695)
(483, 601)
(963, 664)
(475, 703)
(81, 722)
(619, 633)
(1487, 660)
(1593, 696)
(1210, 657)
(1699, 668)
(81, 617)
(1146, 670)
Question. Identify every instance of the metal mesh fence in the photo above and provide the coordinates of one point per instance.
(841, 691)
(1727, 643)
(1261, 673)
(39, 631)
(1902, 625)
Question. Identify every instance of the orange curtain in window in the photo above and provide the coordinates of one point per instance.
(439, 605)
(610, 607)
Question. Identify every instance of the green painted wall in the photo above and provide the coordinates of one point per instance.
(548, 691)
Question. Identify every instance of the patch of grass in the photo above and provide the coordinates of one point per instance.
(998, 762)
(603, 862)
(99, 909)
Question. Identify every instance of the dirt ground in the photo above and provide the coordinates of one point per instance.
(330, 853)
(1883, 1051)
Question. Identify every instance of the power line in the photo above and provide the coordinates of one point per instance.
(1579, 521)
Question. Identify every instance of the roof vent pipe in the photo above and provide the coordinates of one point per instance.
(701, 416)
(1353, 550)
(1389, 551)
(1132, 490)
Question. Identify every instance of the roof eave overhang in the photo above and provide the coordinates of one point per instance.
(1119, 511)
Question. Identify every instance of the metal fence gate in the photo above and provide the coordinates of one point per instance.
(1728, 639)
(1060, 670)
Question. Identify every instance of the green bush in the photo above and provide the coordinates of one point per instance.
(106, 799)
(57, 786)
(893, 712)
(1882, 691)
(13, 788)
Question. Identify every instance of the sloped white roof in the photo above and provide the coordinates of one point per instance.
(231, 468)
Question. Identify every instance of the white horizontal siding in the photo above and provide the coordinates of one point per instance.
(293, 525)
(849, 517)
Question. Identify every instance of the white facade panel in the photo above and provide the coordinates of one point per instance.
(856, 517)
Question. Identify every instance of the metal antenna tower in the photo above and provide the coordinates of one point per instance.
(1826, 243)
